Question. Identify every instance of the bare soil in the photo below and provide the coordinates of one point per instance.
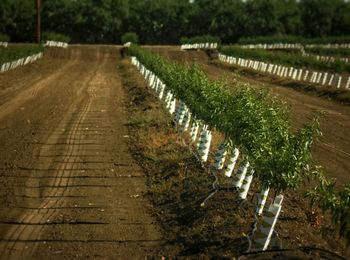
(69, 185)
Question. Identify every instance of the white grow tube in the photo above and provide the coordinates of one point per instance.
(232, 162)
(239, 177)
(262, 237)
(220, 156)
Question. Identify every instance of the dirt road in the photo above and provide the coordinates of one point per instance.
(69, 186)
(332, 151)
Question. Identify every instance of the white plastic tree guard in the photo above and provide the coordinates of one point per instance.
(167, 99)
(232, 162)
(243, 191)
(182, 114)
(20, 62)
(172, 106)
(56, 44)
(194, 131)
(262, 237)
(186, 121)
(262, 197)
(179, 110)
(313, 77)
(220, 156)
(202, 135)
(347, 86)
(239, 177)
(204, 145)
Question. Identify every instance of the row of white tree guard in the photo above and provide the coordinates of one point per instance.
(325, 58)
(319, 78)
(293, 46)
(56, 44)
(4, 44)
(274, 46)
(195, 46)
(242, 179)
(298, 46)
(20, 62)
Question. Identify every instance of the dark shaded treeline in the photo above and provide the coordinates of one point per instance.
(165, 21)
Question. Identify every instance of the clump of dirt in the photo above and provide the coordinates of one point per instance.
(178, 185)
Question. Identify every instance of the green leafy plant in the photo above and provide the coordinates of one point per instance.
(130, 37)
(258, 125)
(255, 122)
(336, 202)
(4, 37)
(52, 36)
(14, 53)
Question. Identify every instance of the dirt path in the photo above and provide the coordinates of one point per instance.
(69, 187)
(332, 151)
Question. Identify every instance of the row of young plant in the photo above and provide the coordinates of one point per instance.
(56, 37)
(255, 126)
(53, 39)
(197, 46)
(330, 41)
(248, 119)
(325, 58)
(312, 52)
(11, 58)
(200, 42)
(340, 52)
(297, 73)
(302, 75)
(56, 44)
(287, 59)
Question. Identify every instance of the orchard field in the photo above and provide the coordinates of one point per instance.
(91, 165)
(166, 129)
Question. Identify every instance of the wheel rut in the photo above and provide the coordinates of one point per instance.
(79, 189)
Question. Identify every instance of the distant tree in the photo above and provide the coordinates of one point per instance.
(289, 15)
(262, 18)
(17, 19)
(226, 19)
(318, 16)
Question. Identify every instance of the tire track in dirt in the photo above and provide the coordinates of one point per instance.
(29, 93)
(28, 231)
(65, 216)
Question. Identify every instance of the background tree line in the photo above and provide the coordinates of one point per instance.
(166, 21)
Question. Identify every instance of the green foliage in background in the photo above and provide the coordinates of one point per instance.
(166, 21)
